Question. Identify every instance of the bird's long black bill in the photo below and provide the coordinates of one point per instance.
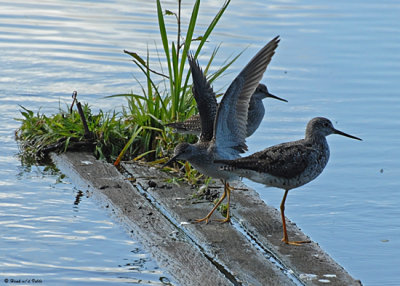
(276, 97)
(347, 135)
(170, 161)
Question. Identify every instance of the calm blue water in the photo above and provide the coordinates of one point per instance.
(337, 59)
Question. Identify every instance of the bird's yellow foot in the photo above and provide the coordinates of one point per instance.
(300, 242)
(227, 219)
(206, 218)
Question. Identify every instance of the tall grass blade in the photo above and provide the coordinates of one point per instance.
(133, 137)
(212, 26)
(164, 39)
(186, 46)
(224, 68)
(175, 95)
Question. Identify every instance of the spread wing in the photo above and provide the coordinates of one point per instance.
(231, 119)
(205, 99)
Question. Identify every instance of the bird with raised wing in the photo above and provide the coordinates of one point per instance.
(223, 130)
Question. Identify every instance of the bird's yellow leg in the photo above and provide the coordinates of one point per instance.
(285, 238)
(228, 192)
(207, 217)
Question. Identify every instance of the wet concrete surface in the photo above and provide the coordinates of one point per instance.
(247, 251)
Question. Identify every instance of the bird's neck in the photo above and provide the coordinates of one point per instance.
(255, 114)
(318, 142)
(255, 100)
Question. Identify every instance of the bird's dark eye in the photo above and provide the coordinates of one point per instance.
(326, 124)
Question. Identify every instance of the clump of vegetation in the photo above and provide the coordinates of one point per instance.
(138, 131)
(40, 134)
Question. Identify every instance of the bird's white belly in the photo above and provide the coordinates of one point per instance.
(270, 180)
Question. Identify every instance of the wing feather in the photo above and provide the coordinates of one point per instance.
(231, 118)
(205, 99)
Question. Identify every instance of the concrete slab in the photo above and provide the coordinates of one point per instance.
(246, 252)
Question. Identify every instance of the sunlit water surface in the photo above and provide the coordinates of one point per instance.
(337, 59)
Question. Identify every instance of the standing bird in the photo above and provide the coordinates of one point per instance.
(288, 165)
(255, 114)
(223, 131)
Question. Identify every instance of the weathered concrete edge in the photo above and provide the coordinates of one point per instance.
(309, 263)
(131, 207)
(184, 262)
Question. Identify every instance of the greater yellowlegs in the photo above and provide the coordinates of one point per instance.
(288, 165)
(223, 131)
(255, 114)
